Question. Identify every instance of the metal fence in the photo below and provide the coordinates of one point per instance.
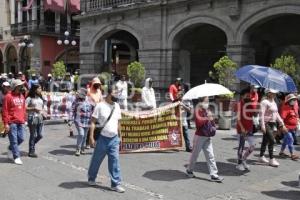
(94, 5)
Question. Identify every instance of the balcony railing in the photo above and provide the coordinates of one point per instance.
(38, 27)
(98, 5)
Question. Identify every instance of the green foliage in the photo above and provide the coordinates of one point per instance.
(104, 77)
(228, 96)
(224, 71)
(59, 69)
(136, 73)
(288, 65)
(31, 71)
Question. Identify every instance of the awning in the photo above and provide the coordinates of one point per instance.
(62, 6)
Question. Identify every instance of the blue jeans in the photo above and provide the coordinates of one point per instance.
(16, 137)
(36, 135)
(185, 131)
(81, 137)
(288, 141)
(110, 147)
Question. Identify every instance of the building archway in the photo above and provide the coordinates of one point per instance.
(198, 47)
(273, 37)
(71, 59)
(116, 49)
(11, 59)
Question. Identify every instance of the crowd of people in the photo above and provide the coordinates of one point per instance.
(97, 111)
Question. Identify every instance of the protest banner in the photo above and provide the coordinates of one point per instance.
(156, 130)
(59, 105)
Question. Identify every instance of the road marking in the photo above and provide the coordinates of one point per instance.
(125, 184)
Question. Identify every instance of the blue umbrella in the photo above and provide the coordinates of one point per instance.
(266, 77)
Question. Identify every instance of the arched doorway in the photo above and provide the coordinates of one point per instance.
(1, 63)
(11, 60)
(118, 48)
(199, 47)
(275, 36)
(25, 59)
(71, 59)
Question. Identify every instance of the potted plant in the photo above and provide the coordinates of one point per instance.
(136, 74)
(224, 73)
(59, 69)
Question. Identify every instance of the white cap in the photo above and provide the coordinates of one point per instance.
(49, 75)
(6, 84)
(269, 90)
(255, 86)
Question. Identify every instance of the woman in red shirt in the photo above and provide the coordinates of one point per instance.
(203, 140)
(290, 118)
(246, 109)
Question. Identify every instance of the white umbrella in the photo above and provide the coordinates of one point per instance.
(206, 90)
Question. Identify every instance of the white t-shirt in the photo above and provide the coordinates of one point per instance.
(102, 112)
(122, 87)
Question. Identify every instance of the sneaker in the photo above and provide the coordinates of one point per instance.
(263, 159)
(18, 161)
(92, 183)
(244, 163)
(118, 188)
(32, 155)
(240, 167)
(188, 149)
(77, 153)
(283, 155)
(216, 179)
(190, 174)
(82, 151)
(87, 147)
(294, 157)
(273, 163)
(10, 155)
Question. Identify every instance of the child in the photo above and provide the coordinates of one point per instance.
(245, 129)
(290, 118)
(82, 110)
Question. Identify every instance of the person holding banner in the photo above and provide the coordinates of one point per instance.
(205, 130)
(122, 87)
(148, 96)
(35, 107)
(82, 109)
(174, 90)
(107, 113)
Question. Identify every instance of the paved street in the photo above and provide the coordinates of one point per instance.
(57, 174)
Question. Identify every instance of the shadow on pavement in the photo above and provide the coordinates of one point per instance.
(225, 169)
(62, 152)
(289, 195)
(5, 160)
(69, 146)
(165, 175)
(250, 162)
(81, 184)
(290, 184)
(22, 153)
(229, 139)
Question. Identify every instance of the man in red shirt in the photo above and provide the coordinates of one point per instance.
(13, 116)
(245, 113)
(174, 90)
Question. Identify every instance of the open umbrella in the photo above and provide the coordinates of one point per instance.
(205, 90)
(266, 77)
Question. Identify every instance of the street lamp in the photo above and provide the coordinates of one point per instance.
(25, 42)
(66, 41)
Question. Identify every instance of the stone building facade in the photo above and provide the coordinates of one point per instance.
(185, 37)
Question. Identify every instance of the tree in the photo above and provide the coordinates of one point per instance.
(224, 71)
(288, 64)
(59, 69)
(136, 73)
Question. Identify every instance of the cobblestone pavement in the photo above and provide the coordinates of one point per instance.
(58, 175)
